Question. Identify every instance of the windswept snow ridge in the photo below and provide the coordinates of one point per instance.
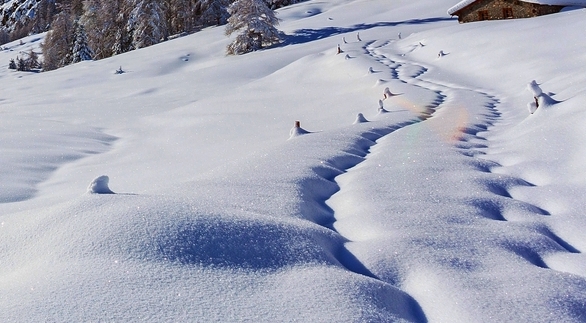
(22, 171)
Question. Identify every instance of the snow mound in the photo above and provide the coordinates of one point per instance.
(540, 99)
(100, 185)
(532, 106)
(297, 130)
(360, 119)
(534, 88)
(381, 107)
(387, 93)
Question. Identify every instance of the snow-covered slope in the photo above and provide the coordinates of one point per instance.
(451, 203)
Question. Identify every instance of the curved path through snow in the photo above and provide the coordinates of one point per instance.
(454, 231)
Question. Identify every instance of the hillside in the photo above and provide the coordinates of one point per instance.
(448, 202)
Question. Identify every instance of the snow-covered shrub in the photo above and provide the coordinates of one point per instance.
(32, 61)
(21, 64)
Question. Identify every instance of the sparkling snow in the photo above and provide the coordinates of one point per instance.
(455, 204)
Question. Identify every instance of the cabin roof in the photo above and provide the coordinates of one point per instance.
(581, 3)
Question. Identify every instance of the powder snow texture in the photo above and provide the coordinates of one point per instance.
(453, 204)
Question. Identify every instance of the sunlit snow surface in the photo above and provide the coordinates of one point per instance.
(448, 201)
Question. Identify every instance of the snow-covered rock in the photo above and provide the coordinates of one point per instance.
(541, 100)
(100, 185)
(381, 107)
(360, 119)
(534, 88)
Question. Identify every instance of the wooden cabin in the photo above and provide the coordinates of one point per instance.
(478, 10)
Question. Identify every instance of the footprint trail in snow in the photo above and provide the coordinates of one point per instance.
(453, 230)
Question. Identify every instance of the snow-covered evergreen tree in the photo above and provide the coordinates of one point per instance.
(106, 26)
(121, 29)
(32, 61)
(256, 23)
(122, 41)
(93, 22)
(81, 49)
(148, 23)
(213, 12)
(110, 27)
(275, 4)
(21, 66)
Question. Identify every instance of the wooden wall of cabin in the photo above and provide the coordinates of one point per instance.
(503, 9)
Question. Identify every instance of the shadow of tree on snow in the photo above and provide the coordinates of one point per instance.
(307, 35)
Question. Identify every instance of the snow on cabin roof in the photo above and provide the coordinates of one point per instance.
(460, 5)
(581, 3)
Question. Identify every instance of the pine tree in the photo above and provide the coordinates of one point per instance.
(93, 22)
(106, 26)
(32, 61)
(121, 31)
(122, 41)
(213, 12)
(21, 66)
(91, 19)
(148, 23)
(58, 45)
(81, 50)
(256, 22)
(12, 64)
(275, 4)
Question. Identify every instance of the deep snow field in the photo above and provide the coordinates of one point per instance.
(451, 203)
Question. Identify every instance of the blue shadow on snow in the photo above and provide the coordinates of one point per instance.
(307, 35)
